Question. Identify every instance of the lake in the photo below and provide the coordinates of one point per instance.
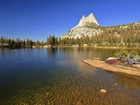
(59, 77)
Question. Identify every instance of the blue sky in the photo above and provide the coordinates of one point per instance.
(36, 19)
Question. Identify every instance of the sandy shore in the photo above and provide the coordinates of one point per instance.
(113, 68)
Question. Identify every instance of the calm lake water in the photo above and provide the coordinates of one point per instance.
(59, 77)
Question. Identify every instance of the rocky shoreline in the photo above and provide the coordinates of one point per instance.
(113, 67)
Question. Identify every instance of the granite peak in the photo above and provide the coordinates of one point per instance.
(90, 19)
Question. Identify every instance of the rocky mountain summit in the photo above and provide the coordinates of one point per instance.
(89, 27)
(85, 27)
(89, 19)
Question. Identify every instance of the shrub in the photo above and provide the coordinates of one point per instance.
(128, 57)
(122, 55)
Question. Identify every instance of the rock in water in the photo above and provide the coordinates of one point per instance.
(103, 91)
(79, 103)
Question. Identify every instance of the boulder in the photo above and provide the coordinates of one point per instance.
(111, 60)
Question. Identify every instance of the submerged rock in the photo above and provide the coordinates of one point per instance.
(103, 91)
(79, 103)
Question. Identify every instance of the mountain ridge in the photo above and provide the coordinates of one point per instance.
(88, 26)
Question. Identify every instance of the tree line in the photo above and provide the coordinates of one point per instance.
(26, 43)
(124, 35)
(18, 43)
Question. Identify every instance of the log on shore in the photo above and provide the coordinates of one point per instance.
(113, 67)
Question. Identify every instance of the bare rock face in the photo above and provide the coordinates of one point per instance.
(90, 19)
(87, 26)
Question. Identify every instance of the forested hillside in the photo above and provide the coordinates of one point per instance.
(121, 35)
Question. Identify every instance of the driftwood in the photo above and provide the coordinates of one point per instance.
(132, 60)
